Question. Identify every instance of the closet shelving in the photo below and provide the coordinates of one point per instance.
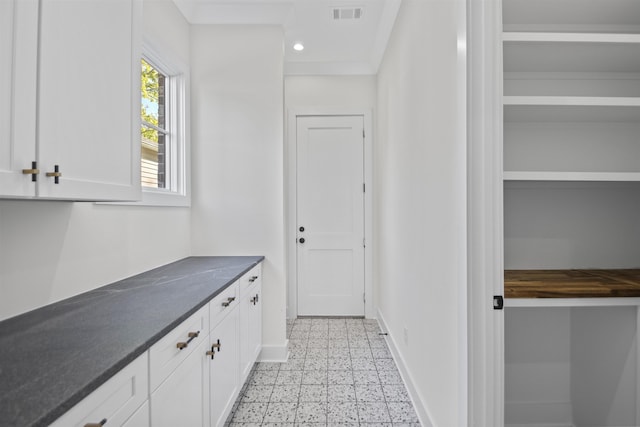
(571, 153)
(571, 106)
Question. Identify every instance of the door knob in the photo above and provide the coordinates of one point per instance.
(301, 229)
(301, 240)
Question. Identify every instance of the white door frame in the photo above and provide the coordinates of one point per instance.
(485, 214)
(291, 202)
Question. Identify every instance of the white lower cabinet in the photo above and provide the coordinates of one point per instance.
(171, 351)
(250, 320)
(190, 377)
(199, 388)
(114, 402)
(224, 367)
(255, 327)
(140, 418)
(183, 398)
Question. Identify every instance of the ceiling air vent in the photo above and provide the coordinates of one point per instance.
(346, 13)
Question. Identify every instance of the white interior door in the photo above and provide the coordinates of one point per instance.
(330, 215)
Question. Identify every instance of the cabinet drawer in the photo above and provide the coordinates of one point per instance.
(170, 351)
(116, 400)
(223, 304)
(140, 418)
(250, 279)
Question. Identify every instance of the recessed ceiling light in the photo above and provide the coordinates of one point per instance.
(298, 46)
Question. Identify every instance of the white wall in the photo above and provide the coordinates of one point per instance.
(537, 359)
(604, 366)
(166, 28)
(571, 225)
(327, 92)
(52, 250)
(420, 175)
(237, 146)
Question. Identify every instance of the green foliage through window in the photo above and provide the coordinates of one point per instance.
(150, 106)
(153, 131)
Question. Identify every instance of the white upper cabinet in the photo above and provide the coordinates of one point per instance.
(18, 65)
(86, 117)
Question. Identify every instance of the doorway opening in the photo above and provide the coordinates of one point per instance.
(329, 214)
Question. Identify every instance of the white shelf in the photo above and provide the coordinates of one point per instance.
(571, 302)
(610, 16)
(597, 101)
(571, 176)
(606, 54)
(631, 39)
(562, 109)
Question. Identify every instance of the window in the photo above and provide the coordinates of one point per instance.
(163, 130)
(154, 132)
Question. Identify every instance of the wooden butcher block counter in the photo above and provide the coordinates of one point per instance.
(572, 283)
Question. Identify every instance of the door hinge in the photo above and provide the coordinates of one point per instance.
(364, 297)
(498, 302)
(363, 133)
(364, 242)
(364, 187)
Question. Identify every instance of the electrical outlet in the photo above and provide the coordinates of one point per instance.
(406, 336)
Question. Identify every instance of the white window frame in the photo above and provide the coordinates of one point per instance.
(177, 151)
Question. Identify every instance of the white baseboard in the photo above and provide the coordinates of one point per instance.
(274, 353)
(421, 411)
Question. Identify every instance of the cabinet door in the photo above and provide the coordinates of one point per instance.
(18, 65)
(255, 325)
(183, 399)
(244, 309)
(250, 329)
(89, 99)
(140, 418)
(224, 381)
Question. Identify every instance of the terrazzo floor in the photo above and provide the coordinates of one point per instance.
(339, 372)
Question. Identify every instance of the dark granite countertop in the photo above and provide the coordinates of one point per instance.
(52, 357)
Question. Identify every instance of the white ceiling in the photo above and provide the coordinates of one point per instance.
(348, 46)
